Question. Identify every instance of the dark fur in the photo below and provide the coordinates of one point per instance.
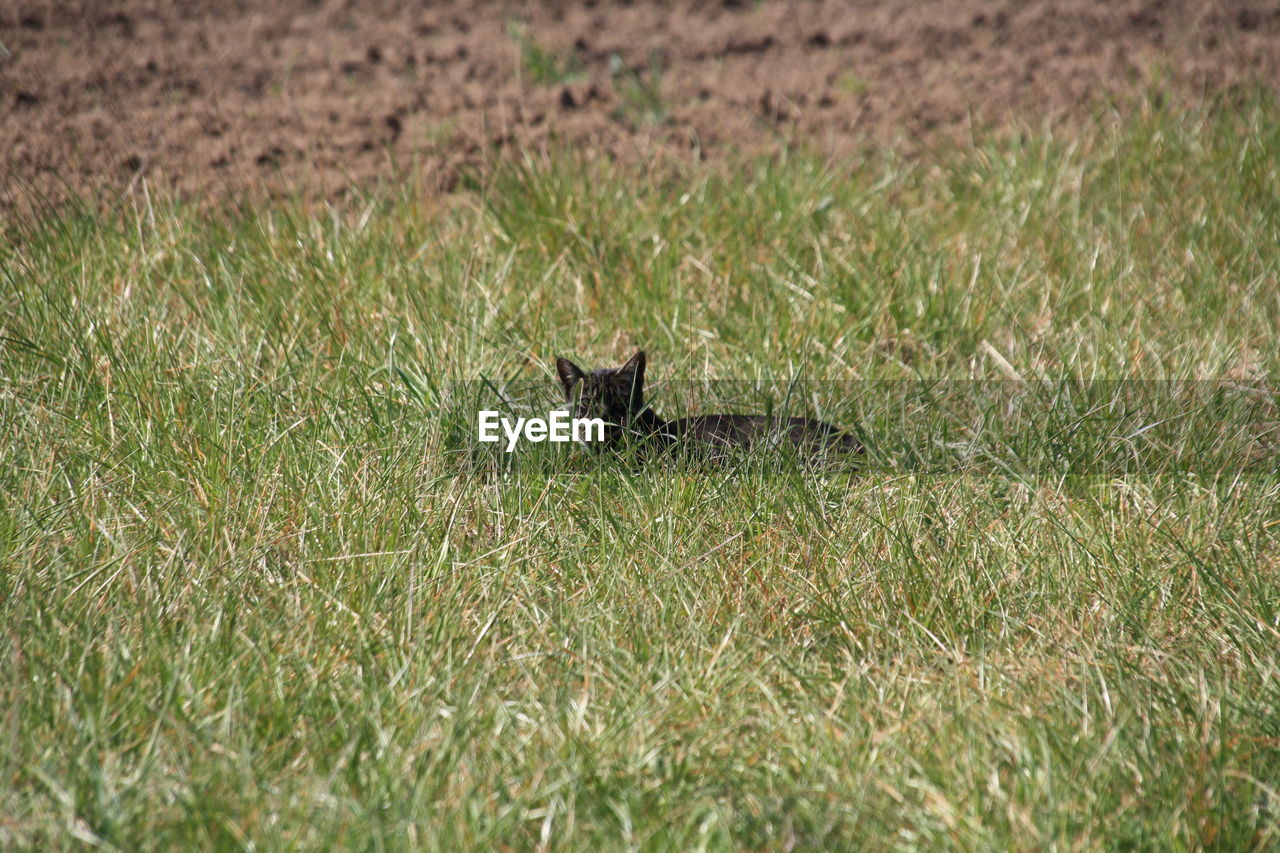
(617, 396)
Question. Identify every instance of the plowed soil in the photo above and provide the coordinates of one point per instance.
(235, 98)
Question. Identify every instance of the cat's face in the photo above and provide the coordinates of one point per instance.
(613, 394)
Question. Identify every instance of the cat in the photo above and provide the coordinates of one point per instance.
(616, 395)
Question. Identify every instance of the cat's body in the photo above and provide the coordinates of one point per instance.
(617, 396)
(750, 430)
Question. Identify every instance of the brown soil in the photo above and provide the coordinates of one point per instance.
(239, 96)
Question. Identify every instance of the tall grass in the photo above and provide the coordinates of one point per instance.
(258, 589)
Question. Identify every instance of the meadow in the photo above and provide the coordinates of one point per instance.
(260, 588)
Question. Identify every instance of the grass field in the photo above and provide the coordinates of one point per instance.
(259, 590)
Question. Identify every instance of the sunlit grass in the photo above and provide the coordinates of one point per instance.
(259, 589)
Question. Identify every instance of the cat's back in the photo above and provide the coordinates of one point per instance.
(748, 431)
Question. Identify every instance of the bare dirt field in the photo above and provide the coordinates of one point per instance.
(235, 98)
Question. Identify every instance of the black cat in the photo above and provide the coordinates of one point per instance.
(616, 395)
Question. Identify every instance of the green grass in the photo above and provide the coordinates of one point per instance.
(258, 589)
(639, 90)
(544, 67)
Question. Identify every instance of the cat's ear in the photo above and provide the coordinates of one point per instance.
(569, 373)
(632, 373)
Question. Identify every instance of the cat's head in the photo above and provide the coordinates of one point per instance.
(614, 394)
